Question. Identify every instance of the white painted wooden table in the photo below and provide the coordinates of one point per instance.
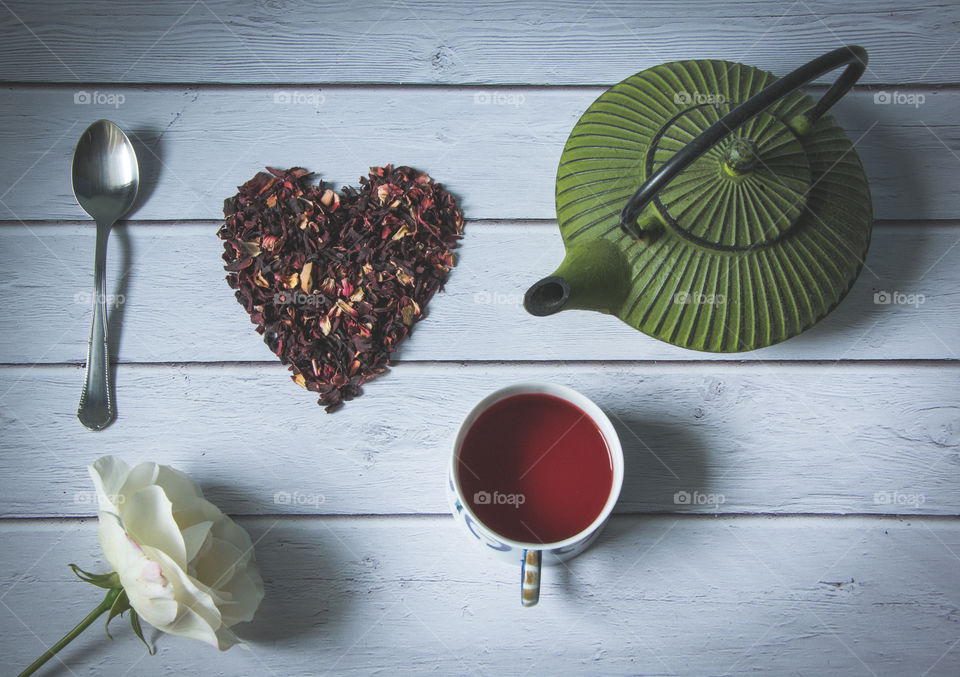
(837, 454)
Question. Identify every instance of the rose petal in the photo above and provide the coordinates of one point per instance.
(189, 623)
(108, 474)
(187, 568)
(148, 593)
(228, 530)
(245, 589)
(227, 639)
(195, 510)
(121, 552)
(218, 563)
(195, 538)
(148, 517)
(189, 598)
(140, 476)
(178, 486)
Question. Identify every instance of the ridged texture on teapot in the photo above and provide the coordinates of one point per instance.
(743, 260)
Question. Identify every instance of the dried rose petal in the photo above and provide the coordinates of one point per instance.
(335, 282)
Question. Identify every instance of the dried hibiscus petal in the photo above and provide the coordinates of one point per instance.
(335, 282)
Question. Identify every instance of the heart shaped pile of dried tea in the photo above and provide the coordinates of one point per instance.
(335, 282)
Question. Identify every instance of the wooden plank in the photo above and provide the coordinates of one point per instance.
(784, 438)
(177, 308)
(196, 145)
(350, 596)
(441, 42)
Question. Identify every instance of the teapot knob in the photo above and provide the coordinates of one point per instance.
(740, 156)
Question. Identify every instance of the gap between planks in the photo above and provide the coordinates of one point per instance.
(53, 521)
(440, 364)
(180, 87)
(480, 223)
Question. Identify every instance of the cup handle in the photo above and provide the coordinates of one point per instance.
(530, 577)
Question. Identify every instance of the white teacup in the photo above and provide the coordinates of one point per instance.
(530, 555)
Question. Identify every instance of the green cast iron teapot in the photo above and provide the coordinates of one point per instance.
(752, 216)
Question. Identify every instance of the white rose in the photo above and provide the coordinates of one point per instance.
(187, 568)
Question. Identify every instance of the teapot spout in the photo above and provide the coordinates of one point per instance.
(593, 276)
(547, 296)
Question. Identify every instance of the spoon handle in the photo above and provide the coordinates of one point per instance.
(96, 409)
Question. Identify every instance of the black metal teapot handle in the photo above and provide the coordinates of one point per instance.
(853, 56)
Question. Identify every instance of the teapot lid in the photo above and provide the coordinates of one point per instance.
(746, 191)
(750, 243)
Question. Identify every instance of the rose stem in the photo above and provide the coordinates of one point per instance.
(105, 605)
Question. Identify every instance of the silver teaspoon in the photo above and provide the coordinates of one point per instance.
(105, 182)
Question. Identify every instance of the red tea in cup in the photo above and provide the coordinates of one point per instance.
(535, 468)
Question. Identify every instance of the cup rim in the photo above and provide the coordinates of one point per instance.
(590, 408)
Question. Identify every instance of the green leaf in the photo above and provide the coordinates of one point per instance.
(116, 601)
(105, 581)
(120, 604)
(135, 624)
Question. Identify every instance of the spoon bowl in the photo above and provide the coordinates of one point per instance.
(106, 178)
